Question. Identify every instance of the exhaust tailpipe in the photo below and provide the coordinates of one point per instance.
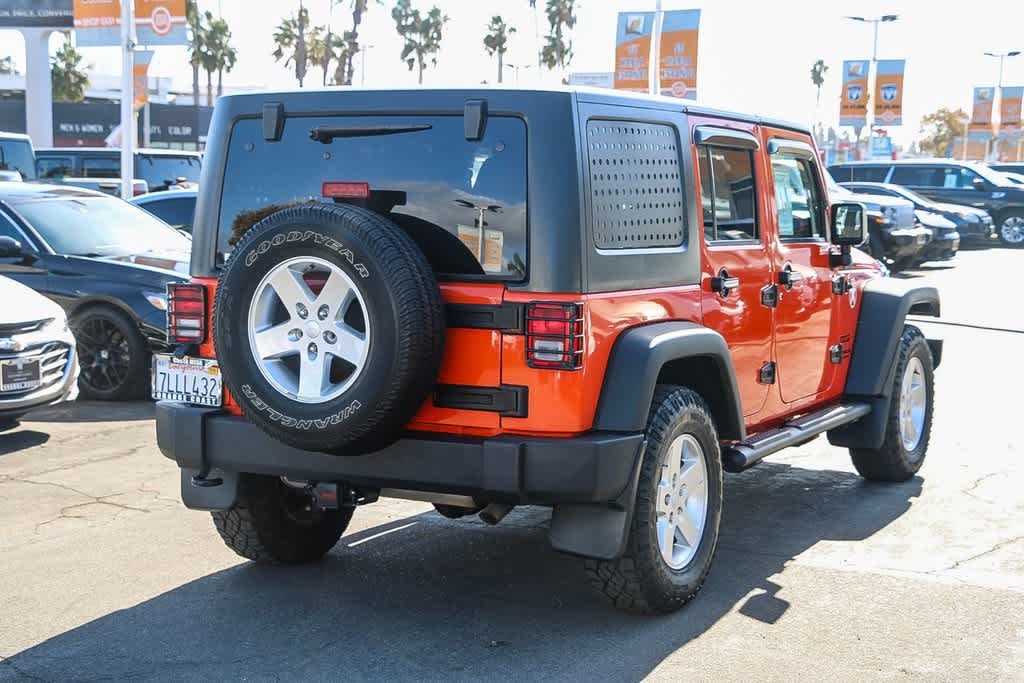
(495, 512)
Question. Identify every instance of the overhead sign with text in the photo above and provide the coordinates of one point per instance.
(853, 103)
(889, 92)
(157, 22)
(633, 51)
(31, 13)
(680, 30)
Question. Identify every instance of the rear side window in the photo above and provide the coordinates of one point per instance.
(918, 176)
(727, 193)
(54, 167)
(97, 167)
(175, 212)
(869, 174)
(636, 185)
(162, 170)
(462, 201)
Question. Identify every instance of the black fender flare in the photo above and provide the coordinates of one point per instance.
(884, 309)
(637, 358)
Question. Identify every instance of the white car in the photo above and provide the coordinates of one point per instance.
(38, 363)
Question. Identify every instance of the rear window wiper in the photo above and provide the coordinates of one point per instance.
(326, 134)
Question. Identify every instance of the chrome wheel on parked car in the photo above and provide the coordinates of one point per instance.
(308, 329)
(682, 502)
(1011, 231)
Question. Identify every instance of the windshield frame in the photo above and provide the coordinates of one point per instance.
(15, 207)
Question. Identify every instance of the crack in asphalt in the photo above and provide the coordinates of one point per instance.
(998, 546)
(67, 509)
(978, 482)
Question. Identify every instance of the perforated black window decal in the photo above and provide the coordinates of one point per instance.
(636, 185)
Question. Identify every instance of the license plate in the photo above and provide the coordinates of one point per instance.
(187, 380)
(19, 374)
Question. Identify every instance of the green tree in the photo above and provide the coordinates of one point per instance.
(422, 34)
(818, 76)
(325, 47)
(7, 66)
(290, 39)
(496, 41)
(196, 44)
(940, 128)
(217, 55)
(557, 50)
(67, 75)
(350, 39)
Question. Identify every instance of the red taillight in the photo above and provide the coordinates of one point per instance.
(554, 336)
(338, 190)
(186, 313)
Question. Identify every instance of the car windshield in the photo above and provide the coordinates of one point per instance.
(918, 199)
(994, 177)
(98, 226)
(16, 155)
(159, 171)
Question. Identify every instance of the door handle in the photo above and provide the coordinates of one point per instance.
(788, 277)
(723, 283)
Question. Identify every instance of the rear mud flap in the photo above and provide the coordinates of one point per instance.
(221, 497)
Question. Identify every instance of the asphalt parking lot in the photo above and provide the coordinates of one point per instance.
(103, 573)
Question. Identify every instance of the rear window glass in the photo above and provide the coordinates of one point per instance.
(918, 176)
(99, 167)
(463, 201)
(161, 171)
(870, 174)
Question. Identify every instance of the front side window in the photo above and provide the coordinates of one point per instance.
(727, 193)
(798, 204)
(98, 167)
(54, 167)
(176, 212)
(9, 229)
(16, 155)
(959, 178)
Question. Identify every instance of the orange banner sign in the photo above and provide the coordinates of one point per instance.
(633, 50)
(853, 103)
(678, 59)
(140, 78)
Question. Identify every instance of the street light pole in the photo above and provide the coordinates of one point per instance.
(516, 68)
(998, 97)
(127, 99)
(873, 69)
(362, 65)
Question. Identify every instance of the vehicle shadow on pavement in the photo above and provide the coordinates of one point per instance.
(95, 411)
(19, 439)
(422, 597)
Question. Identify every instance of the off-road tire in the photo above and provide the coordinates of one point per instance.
(402, 299)
(135, 386)
(893, 462)
(640, 581)
(266, 527)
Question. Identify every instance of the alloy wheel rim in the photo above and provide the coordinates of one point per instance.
(309, 345)
(682, 501)
(104, 354)
(1012, 230)
(913, 404)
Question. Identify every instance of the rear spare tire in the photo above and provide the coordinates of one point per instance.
(329, 327)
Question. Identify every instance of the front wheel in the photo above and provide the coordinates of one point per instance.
(112, 355)
(909, 423)
(1011, 229)
(674, 530)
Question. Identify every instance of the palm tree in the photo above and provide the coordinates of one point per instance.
(496, 41)
(290, 38)
(324, 48)
(218, 54)
(196, 45)
(818, 76)
(67, 75)
(557, 52)
(422, 34)
(343, 74)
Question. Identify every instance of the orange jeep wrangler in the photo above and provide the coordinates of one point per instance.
(592, 301)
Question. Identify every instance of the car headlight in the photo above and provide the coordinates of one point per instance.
(59, 323)
(157, 299)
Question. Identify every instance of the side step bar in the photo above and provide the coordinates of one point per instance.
(739, 456)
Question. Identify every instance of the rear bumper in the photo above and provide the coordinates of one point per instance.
(905, 242)
(943, 246)
(594, 468)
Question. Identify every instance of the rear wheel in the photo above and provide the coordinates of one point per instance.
(678, 509)
(1011, 229)
(909, 423)
(112, 355)
(275, 523)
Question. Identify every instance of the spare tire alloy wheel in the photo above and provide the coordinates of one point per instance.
(329, 328)
(327, 333)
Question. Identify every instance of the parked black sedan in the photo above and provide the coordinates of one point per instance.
(107, 263)
(970, 222)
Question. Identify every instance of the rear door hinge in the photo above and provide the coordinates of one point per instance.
(767, 373)
(835, 354)
(840, 284)
(770, 296)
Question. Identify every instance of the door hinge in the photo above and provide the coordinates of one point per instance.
(767, 373)
(770, 296)
(840, 284)
(835, 354)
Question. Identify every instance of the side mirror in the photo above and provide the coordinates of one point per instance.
(980, 185)
(849, 224)
(9, 247)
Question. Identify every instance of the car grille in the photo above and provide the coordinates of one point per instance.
(904, 217)
(11, 329)
(53, 361)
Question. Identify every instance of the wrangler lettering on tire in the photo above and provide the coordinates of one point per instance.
(331, 327)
